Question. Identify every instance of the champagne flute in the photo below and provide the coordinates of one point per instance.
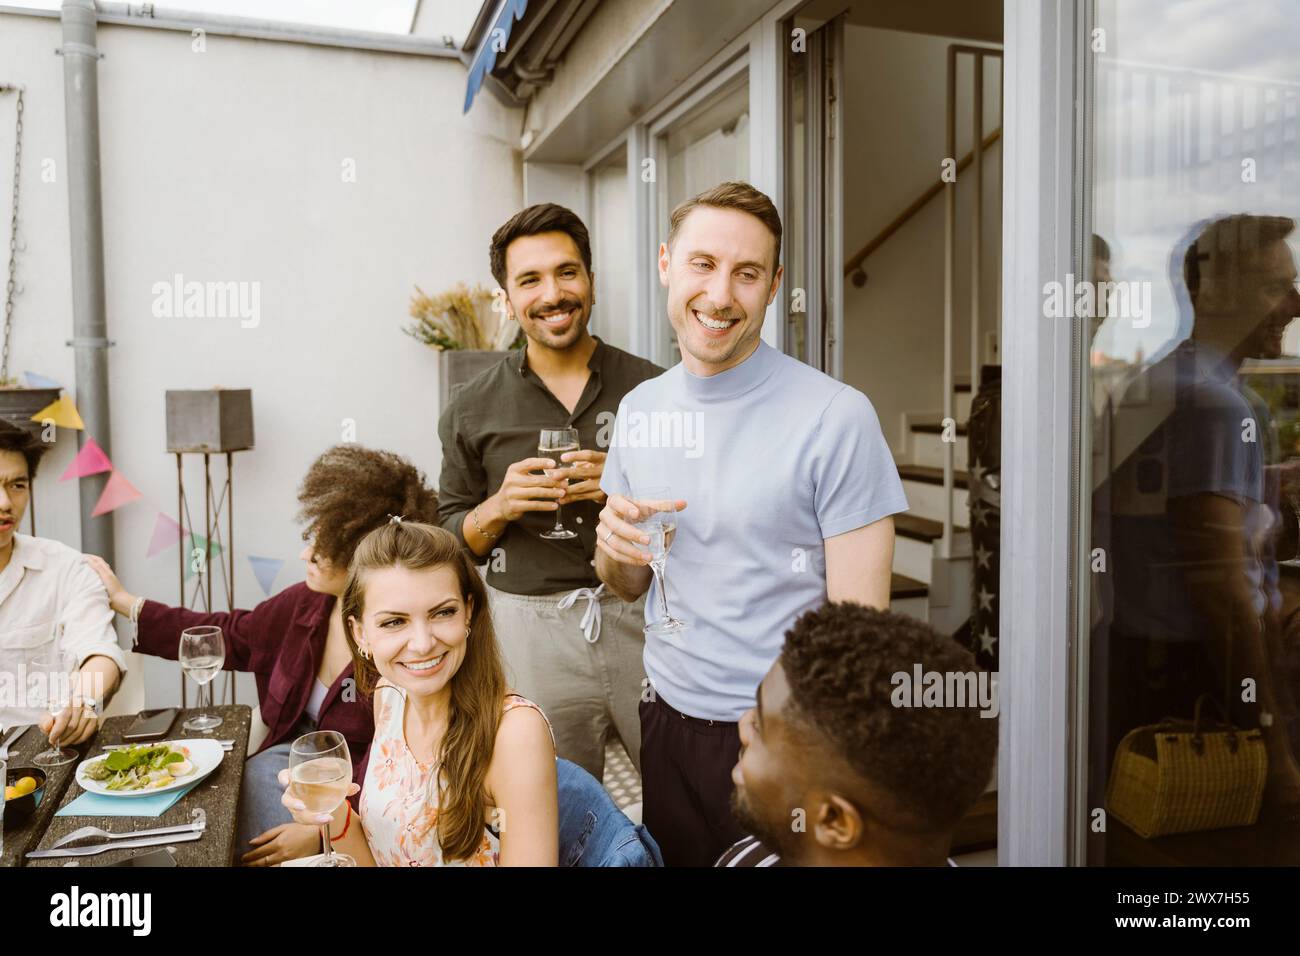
(202, 653)
(320, 769)
(659, 521)
(54, 668)
(553, 443)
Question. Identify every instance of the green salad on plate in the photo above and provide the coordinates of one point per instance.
(146, 767)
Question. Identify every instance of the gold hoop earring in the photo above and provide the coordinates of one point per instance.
(468, 628)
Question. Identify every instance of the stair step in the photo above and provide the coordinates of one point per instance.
(920, 529)
(902, 587)
(936, 428)
(932, 476)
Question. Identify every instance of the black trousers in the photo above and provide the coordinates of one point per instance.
(686, 784)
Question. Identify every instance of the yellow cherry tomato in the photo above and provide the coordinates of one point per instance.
(25, 785)
(11, 793)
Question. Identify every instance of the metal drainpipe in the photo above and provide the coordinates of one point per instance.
(85, 213)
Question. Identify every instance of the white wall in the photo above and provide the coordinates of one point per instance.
(453, 18)
(894, 104)
(613, 243)
(228, 166)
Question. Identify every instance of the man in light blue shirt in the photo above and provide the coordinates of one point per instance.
(786, 487)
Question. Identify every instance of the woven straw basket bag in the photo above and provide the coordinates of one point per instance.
(1180, 776)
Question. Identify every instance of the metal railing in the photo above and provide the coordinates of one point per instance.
(979, 54)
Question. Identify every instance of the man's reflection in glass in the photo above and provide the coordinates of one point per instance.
(1202, 508)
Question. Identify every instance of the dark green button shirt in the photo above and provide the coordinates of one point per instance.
(493, 421)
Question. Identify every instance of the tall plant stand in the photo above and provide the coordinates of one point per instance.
(212, 423)
(218, 503)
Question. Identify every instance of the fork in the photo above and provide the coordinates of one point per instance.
(97, 848)
(198, 824)
(11, 737)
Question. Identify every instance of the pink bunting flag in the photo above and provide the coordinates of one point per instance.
(166, 533)
(91, 460)
(117, 493)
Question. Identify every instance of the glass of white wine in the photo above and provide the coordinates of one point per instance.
(553, 443)
(55, 671)
(320, 769)
(203, 651)
(659, 521)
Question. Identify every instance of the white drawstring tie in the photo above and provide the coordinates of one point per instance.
(591, 616)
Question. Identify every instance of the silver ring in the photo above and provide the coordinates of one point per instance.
(609, 534)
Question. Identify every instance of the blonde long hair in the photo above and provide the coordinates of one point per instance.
(478, 687)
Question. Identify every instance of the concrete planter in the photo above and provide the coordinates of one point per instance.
(18, 405)
(455, 367)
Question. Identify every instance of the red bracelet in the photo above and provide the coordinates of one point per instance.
(347, 823)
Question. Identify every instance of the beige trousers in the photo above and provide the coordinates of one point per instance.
(581, 664)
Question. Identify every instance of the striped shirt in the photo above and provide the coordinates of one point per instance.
(749, 851)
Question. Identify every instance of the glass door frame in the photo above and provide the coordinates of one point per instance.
(1042, 577)
(822, 196)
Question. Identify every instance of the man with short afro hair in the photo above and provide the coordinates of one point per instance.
(833, 772)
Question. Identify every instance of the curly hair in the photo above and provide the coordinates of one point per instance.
(931, 762)
(349, 491)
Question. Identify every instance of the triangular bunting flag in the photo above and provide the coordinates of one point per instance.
(91, 460)
(117, 492)
(166, 533)
(62, 412)
(265, 570)
(198, 544)
(32, 380)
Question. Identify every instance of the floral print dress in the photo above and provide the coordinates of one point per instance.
(399, 800)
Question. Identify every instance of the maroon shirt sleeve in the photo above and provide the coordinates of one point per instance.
(252, 637)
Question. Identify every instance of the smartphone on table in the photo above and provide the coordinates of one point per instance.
(151, 724)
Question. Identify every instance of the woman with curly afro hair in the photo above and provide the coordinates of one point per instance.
(294, 643)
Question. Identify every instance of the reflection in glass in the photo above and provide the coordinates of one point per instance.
(1193, 587)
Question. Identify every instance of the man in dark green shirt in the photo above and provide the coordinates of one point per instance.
(570, 645)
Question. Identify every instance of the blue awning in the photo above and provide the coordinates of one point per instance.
(494, 41)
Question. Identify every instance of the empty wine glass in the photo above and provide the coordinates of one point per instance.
(54, 669)
(202, 652)
(659, 521)
(552, 443)
(320, 769)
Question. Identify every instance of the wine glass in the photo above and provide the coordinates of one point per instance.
(320, 769)
(202, 653)
(54, 668)
(553, 443)
(659, 521)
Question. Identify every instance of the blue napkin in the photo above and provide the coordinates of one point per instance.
(97, 805)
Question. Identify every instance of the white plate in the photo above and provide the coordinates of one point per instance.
(206, 755)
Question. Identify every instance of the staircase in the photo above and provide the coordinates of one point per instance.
(925, 585)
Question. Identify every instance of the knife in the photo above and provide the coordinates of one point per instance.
(225, 744)
(115, 845)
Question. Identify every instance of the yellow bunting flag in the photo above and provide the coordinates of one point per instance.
(62, 412)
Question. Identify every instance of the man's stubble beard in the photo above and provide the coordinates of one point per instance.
(780, 839)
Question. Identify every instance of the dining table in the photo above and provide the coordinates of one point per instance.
(216, 795)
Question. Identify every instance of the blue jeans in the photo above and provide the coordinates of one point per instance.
(593, 830)
(259, 799)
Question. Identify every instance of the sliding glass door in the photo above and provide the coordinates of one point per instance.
(1189, 674)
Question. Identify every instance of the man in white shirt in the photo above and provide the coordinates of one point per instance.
(45, 588)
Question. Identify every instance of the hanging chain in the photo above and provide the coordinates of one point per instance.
(12, 282)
